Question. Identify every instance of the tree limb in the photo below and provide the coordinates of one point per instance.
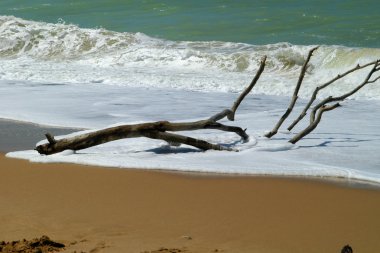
(331, 99)
(321, 87)
(320, 108)
(314, 124)
(133, 131)
(295, 95)
(176, 138)
(247, 90)
(230, 113)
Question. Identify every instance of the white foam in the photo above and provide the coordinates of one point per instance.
(63, 75)
(345, 144)
(65, 53)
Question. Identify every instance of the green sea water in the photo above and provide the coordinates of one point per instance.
(352, 23)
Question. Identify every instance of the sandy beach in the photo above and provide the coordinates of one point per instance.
(234, 74)
(95, 209)
(92, 209)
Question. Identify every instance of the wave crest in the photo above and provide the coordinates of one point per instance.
(40, 40)
(78, 55)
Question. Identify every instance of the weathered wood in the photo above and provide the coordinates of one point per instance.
(314, 124)
(156, 130)
(176, 138)
(321, 107)
(332, 99)
(230, 113)
(134, 131)
(294, 97)
(50, 138)
(248, 89)
(321, 87)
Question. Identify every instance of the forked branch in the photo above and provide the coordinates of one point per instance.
(295, 95)
(313, 124)
(332, 99)
(321, 87)
(323, 106)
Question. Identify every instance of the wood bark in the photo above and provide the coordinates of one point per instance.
(156, 130)
(294, 97)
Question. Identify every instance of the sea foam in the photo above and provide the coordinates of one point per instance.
(64, 75)
(65, 53)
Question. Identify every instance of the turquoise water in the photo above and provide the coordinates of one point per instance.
(352, 23)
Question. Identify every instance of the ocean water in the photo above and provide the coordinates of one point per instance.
(351, 23)
(96, 63)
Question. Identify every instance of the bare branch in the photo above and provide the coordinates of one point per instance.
(331, 99)
(50, 138)
(132, 131)
(176, 138)
(321, 107)
(314, 95)
(239, 131)
(221, 115)
(247, 90)
(230, 113)
(314, 124)
(295, 95)
(374, 80)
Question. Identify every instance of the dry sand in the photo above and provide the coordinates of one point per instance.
(94, 209)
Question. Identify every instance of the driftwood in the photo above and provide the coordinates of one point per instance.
(323, 106)
(156, 130)
(321, 87)
(163, 130)
(295, 95)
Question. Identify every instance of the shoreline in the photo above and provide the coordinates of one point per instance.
(338, 181)
(100, 209)
(19, 135)
(31, 133)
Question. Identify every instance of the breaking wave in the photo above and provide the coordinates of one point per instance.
(65, 53)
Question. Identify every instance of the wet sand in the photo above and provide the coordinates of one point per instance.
(17, 135)
(94, 209)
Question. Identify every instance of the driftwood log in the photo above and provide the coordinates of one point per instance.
(156, 130)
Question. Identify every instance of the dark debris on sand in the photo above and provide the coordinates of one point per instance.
(166, 250)
(38, 245)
